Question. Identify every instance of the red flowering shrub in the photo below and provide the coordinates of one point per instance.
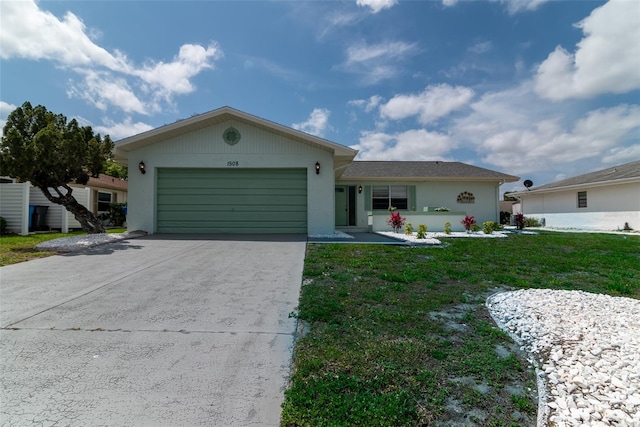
(468, 222)
(519, 219)
(396, 221)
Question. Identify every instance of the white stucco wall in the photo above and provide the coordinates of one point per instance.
(437, 194)
(608, 207)
(206, 148)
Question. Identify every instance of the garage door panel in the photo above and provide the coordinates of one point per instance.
(233, 199)
(239, 200)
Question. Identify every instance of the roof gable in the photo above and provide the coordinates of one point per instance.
(200, 121)
(422, 171)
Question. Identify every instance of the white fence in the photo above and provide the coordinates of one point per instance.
(15, 199)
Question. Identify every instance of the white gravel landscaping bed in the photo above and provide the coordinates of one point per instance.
(432, 238)
(74, 243)
(586, 348)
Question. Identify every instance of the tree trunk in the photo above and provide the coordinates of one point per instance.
(88, 221)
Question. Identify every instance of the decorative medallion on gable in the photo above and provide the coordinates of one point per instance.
(231, 136)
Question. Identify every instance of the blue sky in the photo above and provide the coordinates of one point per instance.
(539, 89)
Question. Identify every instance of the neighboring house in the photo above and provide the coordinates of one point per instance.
(105, 189)
(19, 199)
(229, 171)
(603, 200)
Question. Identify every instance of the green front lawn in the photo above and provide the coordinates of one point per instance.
(400, 336)
(15, 248)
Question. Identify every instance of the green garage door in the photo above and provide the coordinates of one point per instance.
(231, 200)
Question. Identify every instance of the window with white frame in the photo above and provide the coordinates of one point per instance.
(582, 199)
(104, 200)
(386, 196)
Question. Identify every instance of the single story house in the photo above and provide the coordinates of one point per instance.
(227, 171)
(602, 200)
(18, 202)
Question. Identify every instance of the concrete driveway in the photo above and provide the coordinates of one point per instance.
(155, 331)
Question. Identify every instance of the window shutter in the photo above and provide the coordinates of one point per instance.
(367, 197)
(411, 202)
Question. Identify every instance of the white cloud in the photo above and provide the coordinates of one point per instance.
(377, 62)
(103, 90)
(174, 77)
(316, 124)
(519, 133)
(414, 144)
(606, 59)
(5, 110)
(621, 155)
(123, 129)
(28, 32)
(369, 104)
(515, 6)
(430, 105)
(377, 5)
(481, 47)
(31, 33)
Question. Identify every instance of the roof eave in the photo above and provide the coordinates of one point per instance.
(577, 186)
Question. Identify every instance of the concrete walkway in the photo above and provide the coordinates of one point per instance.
(156, 331)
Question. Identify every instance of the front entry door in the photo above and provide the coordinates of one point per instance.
(345, 205)
(342, 208)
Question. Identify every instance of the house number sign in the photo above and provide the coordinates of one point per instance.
(232, 163)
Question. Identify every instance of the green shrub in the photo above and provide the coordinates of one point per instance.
(3, 225)
(489, 227)
(116, 215)
(531, 222)
(422, 231)
(447, 227)
(474, 227)
(408, 229)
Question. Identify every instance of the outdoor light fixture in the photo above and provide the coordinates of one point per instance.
(141, 167)
(359, 188)
(317, 168)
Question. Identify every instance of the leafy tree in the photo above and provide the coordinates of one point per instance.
(43, 148)
(114, 169)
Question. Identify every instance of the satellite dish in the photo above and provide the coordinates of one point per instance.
(528, 183)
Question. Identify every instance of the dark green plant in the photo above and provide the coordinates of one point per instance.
(117, 214)
(3, 225)
(505, 217)
(422, 231)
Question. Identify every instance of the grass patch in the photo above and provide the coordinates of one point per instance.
(400, 336)
(16, 248)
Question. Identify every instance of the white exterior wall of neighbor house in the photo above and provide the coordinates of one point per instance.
(608, 207)
(435, 194)
(257, 148)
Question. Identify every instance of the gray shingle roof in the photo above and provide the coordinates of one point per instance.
(435, 170)
(625, 171)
